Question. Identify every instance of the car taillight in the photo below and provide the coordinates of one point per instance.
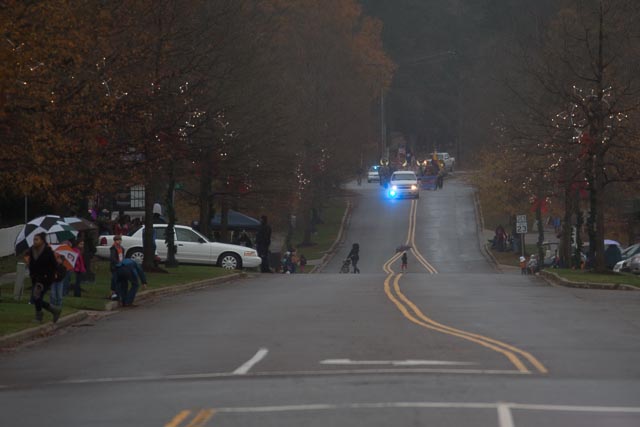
(103, 241)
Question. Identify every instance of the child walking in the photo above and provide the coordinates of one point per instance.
(523, 265)
(404, 261)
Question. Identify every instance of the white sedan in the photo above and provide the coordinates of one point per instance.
(193, 248)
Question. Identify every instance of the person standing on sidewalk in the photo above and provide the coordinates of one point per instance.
(57, 286)
(42, 267)
(80, 268)
(263, 241)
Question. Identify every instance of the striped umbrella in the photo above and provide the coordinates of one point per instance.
(56, 230)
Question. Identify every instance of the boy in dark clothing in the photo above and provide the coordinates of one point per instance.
(404, 261)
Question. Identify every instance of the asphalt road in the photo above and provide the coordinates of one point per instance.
(448, 343)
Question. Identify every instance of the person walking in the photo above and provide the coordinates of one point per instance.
(57, 286)
(404, 261)
(523, 265)
(42, 266)
(354, 256)
(79, 269)
(263, 241)
(303, 263)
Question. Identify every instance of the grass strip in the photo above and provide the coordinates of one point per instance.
(326, 232)
(582, 276)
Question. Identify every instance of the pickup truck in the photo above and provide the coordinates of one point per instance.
(448, 161)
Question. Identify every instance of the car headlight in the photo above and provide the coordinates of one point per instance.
(395, 187)
(414, 187)
(250, 253)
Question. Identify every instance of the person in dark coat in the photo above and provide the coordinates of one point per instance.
(354, 256)
(263, 241)
(42, 264)
(131, 272)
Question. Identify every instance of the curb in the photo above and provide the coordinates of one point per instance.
(42, 330)
(331, 252)
(479, 230)
(174, 290)
(554, 279)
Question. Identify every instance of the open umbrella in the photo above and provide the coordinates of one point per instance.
(80, 224)
(68, 255)
(56, 230)
(608, 242)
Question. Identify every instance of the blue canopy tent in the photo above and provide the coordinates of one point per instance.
(236, 221)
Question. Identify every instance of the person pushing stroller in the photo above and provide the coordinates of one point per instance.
(354, 257)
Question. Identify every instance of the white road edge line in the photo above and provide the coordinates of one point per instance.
(246, 367)
(505, 419)
(504, 409)
(328, 372)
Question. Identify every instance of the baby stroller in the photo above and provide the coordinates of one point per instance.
(346, 264)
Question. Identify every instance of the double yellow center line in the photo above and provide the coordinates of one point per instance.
(200, 418)
(516, 356)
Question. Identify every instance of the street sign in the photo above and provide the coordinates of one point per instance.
(521, 224)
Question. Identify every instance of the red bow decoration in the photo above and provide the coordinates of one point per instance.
(540, 203)
(581, 187)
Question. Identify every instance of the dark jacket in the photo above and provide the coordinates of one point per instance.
(354, 255)
(43, 269)
(114, 260)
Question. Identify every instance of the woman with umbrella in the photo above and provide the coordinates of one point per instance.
(42, 267)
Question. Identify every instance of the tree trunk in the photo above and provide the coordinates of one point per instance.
(540, 223)
(224, 219)
(307, 220)
(565, 241)
(579, 224)
(204, 198)
(148, 243)
(599, 220)
(171, 261)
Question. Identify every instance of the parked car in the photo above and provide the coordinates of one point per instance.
(404, 184)
(628, 263)
(373, 175)
(193, 248)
